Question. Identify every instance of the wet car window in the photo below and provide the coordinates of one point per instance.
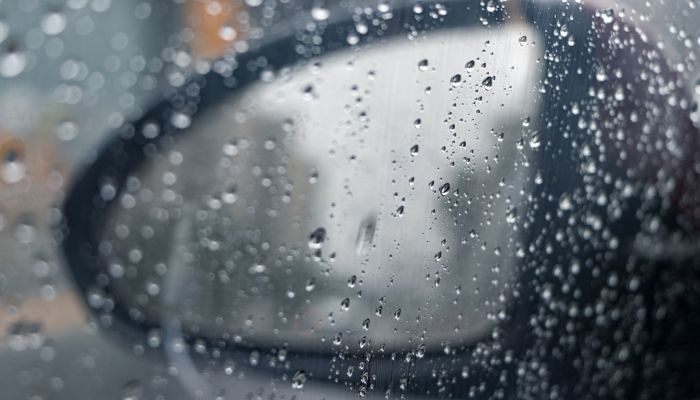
(225, 199)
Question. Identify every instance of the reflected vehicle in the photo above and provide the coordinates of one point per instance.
(458, 199)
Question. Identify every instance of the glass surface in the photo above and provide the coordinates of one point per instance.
(333, 199)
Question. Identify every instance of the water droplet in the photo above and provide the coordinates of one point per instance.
(423, 65)
(522, 40)
(397, 314)
(487, 82)
(512, 215)
(345, 304)
(420, 351)
(365, 324)
(445, 189)
(67, 130)
(310, 285)
(320, 13)
(254, 357)
(13, 168)
(363, 342)
(600, 75)
(180, 120)
(53, 23)
(23, 335)
(229, 196)
(352, 39)
(535, 141)
(231, 148)
(317, 238)
(455, 80)
(414, 150)
(299, 379)
(338, 339)
(469, 65)
(565, 203)
(227, 33)
(564, 31)
(365, 236)
(12, 63)
(491, 6)
(607, 16)
(132, 390)
(282, 355)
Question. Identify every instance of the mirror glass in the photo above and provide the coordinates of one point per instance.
(365, 199)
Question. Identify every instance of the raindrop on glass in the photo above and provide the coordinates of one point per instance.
(423, 65)
(12, 63)
(317, 238)
(320, 13)
(445, 189)
(299, 379)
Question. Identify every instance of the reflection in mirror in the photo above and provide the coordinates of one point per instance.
(341, 204)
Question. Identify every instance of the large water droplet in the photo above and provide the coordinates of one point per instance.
(53, 23)
(320, 13)
(13, 168)
(12, 63)
(512, 215)
(420, 351)
(316, 239)
(227, 33)
(445, 189)
(299, 379)
(23, 335)
(67, 130)
(310, 285)
(423, 65)
(180, 120)
(338, 339)
(565, 203)
(229, 196)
